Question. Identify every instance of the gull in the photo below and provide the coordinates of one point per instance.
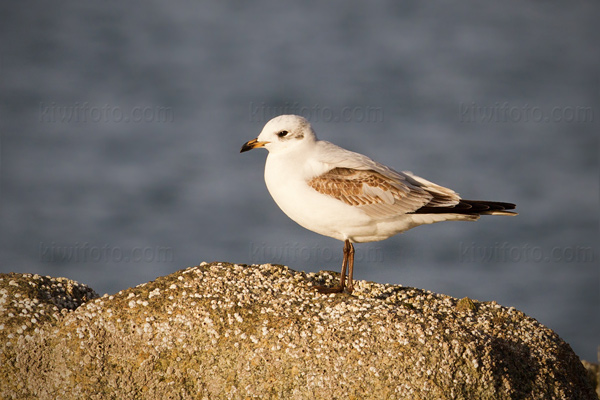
(347, 196)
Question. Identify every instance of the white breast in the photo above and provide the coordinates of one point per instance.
(286, 182)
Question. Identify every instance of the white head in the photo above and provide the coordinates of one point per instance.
(282, 133)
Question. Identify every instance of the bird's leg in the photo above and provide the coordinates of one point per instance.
(348, 253)
(344, 265)
(350, 266)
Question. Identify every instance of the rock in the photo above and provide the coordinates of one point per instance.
(28, 302)
(593, 371)
(221, 330)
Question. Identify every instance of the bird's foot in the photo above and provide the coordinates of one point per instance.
(333, 289)
(329, 289)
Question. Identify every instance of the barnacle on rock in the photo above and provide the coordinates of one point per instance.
(221, 330)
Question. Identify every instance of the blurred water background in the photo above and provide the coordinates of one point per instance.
(121, 124)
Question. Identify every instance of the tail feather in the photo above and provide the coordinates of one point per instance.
(471, 207)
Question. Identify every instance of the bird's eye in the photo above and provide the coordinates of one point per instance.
(282, 133)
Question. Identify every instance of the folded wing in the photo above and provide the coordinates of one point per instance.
(387, 193)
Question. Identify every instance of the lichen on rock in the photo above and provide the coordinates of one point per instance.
(223, 330)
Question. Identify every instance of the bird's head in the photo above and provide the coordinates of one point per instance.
(282, 133)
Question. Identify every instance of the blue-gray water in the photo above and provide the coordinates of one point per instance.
(121, 124)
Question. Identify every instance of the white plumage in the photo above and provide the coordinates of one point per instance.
(346, 195)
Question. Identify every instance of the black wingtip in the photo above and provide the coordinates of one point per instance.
(472, 207)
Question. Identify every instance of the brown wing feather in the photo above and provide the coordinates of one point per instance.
(372, 191)
(381, 195)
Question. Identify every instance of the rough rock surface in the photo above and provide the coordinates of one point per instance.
(234, 331)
